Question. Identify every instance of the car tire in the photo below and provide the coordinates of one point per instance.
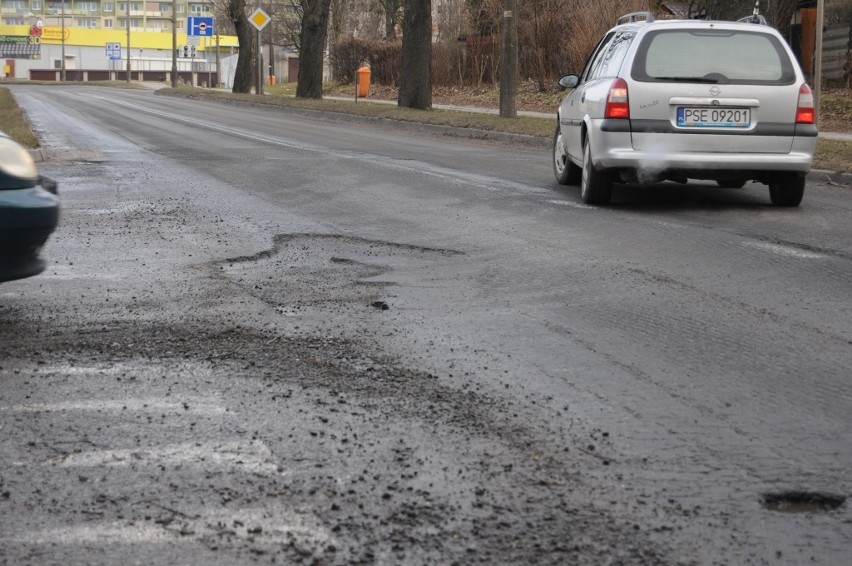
(564, 170)
(787, 191)
(731, 183)
(595, 186)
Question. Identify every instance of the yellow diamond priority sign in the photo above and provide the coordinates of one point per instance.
(259, 19)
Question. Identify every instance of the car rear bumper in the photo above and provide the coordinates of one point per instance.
(615, 151)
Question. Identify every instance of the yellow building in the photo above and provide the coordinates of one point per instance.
(92, 36)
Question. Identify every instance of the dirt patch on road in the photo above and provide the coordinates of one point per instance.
(263, 447)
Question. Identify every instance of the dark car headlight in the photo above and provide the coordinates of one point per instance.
(17, 168)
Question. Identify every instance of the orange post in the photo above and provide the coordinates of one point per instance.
(363, 88)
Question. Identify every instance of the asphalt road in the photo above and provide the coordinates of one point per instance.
(266, 336)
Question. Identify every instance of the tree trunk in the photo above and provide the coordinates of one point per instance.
(245, 38)
(415, 83)
(314, 35)
(390, 8)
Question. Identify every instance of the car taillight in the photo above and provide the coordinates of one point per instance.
(805, 106)
(617, 105)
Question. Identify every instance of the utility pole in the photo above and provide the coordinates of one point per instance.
(509, 59)
(62, 65)
(174, 44)
(820, 21)
(127, 4)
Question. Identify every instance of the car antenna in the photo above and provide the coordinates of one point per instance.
(755, 17)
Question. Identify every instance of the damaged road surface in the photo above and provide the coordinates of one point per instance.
(273, 337)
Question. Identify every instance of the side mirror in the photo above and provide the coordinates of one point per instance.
(569, 81)
(49, 185)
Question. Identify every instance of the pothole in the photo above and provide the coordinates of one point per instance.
(316, 272)
(802, 502)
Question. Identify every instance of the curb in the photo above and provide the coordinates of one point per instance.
(832, 177)
(38, 155)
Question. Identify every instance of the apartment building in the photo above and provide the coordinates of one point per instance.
(155, 17)
(39, 35)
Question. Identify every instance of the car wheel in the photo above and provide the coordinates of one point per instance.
(564, 170)
(595, 186)
(730, 183)
(787, 191)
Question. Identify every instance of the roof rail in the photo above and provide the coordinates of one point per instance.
(754, 20)
(634, 17)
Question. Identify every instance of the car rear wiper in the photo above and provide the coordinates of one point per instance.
(704, 80)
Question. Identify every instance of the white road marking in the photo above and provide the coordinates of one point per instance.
(789, 251)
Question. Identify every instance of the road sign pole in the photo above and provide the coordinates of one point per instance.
(258, 89)
(259, 19)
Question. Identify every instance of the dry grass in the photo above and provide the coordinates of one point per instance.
(835, 110)
(833, 155)
(13, 121)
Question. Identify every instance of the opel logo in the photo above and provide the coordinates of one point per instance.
(715, 91)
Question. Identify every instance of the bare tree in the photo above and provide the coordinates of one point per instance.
(391, 9)
(541, 30)
(312, 47)
(415, 83)
(450, 19)
(246, 38)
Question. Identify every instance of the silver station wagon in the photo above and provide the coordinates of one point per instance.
(686, 99)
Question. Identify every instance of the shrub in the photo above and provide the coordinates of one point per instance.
(383, 57)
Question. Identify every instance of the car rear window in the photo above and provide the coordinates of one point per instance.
(712, 56)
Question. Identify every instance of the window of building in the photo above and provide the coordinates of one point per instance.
(109, 7)
(181, 8)
(108, 23)
(14, 21)
(198, 9)
(134, 23)
(35, 5)
(134, 7)
(18, 5)
(87, 22)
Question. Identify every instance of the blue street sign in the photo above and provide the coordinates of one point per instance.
(113, 51)
(199, 26)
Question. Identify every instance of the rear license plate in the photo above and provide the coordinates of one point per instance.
(698, 117)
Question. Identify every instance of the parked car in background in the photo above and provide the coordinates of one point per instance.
(29, 212)
(686, 99)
